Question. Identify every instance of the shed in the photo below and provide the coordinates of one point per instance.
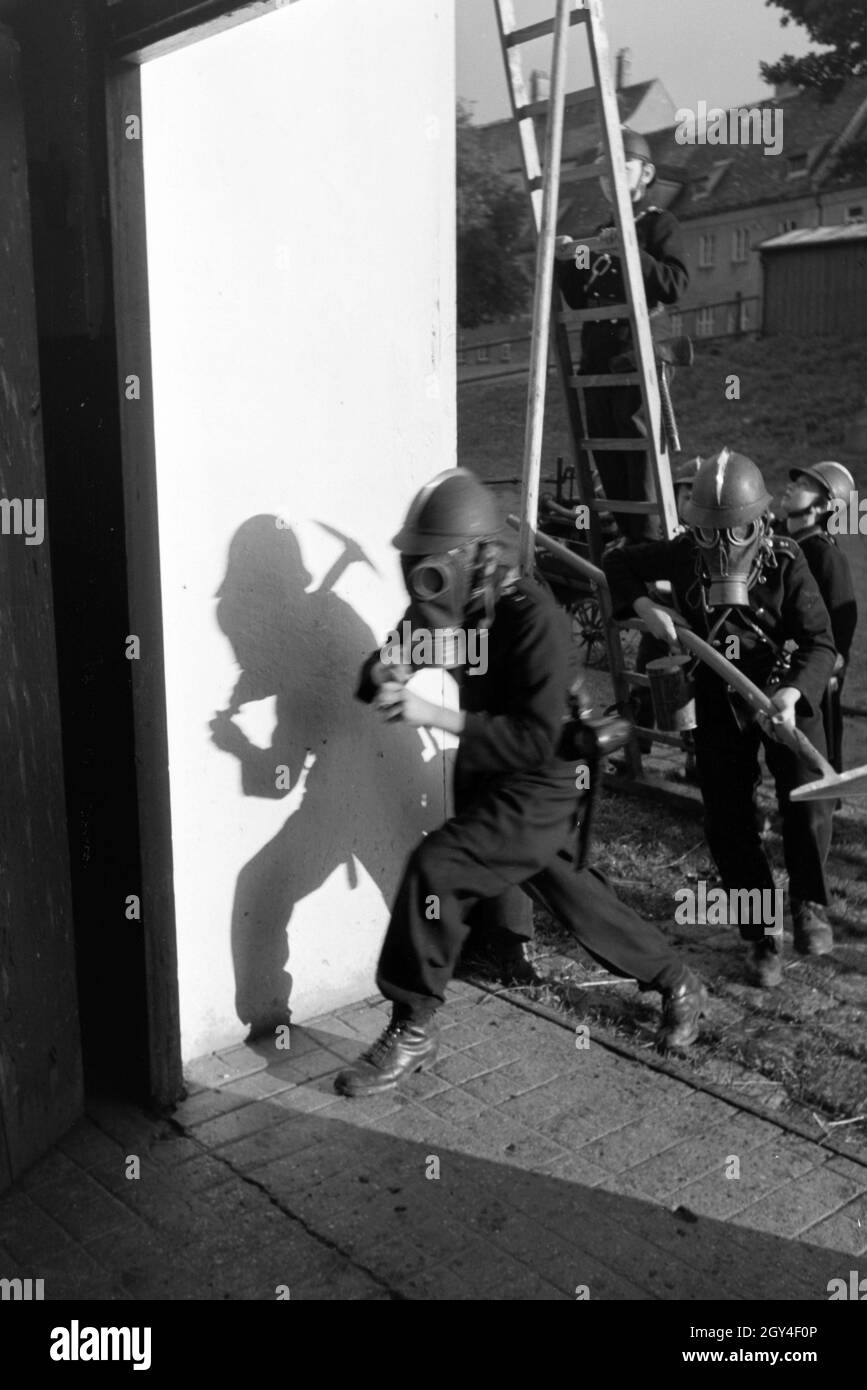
(815, 282)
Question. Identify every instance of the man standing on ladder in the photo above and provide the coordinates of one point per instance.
(625, 476)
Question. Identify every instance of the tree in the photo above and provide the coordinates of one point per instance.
(491, 218)
(840, 26)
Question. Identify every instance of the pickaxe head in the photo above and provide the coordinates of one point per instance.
(842, 784)
(352, 553)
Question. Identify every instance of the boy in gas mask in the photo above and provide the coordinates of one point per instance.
(748, 592)
(626, 475)
(806, 506)
(514, 790)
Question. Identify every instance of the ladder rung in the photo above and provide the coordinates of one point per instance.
(610, 504)
(596, 444)
(607, 379)
(540, 108)
(610, 311)
(538, 31)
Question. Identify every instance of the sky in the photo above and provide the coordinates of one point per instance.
(705, 50)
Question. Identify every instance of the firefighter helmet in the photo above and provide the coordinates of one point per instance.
(452, 509)
(728, 491)
(687, 471)
(835, 481)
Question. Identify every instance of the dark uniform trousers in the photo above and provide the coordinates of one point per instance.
(626, 476)
(507, 831)
(727, 762)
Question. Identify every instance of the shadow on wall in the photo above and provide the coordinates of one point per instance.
(357, 793)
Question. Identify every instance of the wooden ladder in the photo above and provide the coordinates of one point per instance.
(554, 321)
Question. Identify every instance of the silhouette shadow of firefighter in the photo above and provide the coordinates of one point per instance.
(304, 649)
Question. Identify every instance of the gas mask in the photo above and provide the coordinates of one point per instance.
(452, 590)
(733, 559)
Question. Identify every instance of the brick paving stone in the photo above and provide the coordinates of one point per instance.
(462, 1066)
(238, 1124)
(844, 1230)
(453, 1105)
(494, 1087)
(437, 1282)
(247, 1154)
(319, 1098)
(87, 1145)
(239, 1061)
(206, 1105)
(659, 1178)
(82, 1207)
(307, 1068)
(262, 1085)
(800, 1204)
(146, 1266)
(457, 1036)
(762, 1171)
(577, 1168)
(206, 1171)
(55, 1167)
(652, 1134)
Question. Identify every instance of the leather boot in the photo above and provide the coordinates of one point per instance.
(765, 961)
(682, 1007)
(813, 934)
(401, 1049)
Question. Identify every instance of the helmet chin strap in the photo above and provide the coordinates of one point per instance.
(483, 586)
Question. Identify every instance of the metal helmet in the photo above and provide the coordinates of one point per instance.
(451, 510)
(728, 491)
(635, 146)
(687, 471)
(835, 481)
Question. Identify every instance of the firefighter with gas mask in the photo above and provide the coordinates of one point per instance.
(807, 506)
(749, 593)
(626, 475)
(514, 789)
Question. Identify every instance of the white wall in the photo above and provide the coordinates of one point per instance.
(300, 220)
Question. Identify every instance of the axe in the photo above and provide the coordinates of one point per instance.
(831, 784)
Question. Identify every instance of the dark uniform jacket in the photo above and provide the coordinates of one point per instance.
(830, 569)
(785, 606)
(663, 265)
(515, 709)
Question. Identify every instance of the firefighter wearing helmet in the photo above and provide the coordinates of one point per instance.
(514, 784)
(807, 505)
(749, 593)
(626, 475)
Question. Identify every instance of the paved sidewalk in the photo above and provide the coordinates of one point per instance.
(523, 1167)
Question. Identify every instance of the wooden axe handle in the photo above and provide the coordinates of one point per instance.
(757, 699)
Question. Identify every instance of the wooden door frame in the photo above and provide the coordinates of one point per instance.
(139, 30)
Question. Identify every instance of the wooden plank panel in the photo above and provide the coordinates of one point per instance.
(123, 98)
(40, 1053)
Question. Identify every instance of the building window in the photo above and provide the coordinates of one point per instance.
(505, 352)
(740, 243)
(462, 358)
(855, 214)
(797, 166)
(704, 322)
(676, 321)
(706, 249)
(788, 224)
(482, 353)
